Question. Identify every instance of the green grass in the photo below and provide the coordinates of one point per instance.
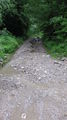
(8, 45)
(57, 50)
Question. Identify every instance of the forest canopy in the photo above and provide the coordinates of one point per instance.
(45, 18)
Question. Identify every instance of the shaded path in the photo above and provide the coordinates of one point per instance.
(33, 86)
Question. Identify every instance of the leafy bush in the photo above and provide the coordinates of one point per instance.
(56, 49)
(59, 28)
(8, 44)
(13, 17)
(56, 29)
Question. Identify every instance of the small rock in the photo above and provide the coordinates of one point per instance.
(23, 116)
(1, 60)
(37, 70)
(5, 57)
(15, 68)
(64, 99)
(22, 67)
(39, 78)
(57, 62)
(45, 72)
(63, 59)
(40, 67)
(18, 78)
(43, 55)
(48, 56)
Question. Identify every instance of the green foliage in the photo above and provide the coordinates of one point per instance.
(56, 49)
(47, 18)
(60, 28)
(13, 17)
(54, 27)
(8, 44)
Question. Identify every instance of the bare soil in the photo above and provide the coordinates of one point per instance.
(33, 86)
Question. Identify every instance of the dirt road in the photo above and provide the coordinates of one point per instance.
(33, 86)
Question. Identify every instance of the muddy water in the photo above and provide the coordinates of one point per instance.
(32, 87)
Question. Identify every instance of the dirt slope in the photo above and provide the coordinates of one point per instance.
(33, 86)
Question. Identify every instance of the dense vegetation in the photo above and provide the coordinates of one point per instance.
(13, 23)
(8, 44)
(44, 18)
(12, 17)
(50, 16)
(54, 26)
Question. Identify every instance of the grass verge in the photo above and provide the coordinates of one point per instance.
(56, 50)
(8, 45)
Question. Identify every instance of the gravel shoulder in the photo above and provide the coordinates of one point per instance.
(33, 86)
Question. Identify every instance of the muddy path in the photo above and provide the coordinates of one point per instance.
(33, 86)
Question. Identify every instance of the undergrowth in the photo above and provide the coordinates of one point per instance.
(8, 45)
(56, 50)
